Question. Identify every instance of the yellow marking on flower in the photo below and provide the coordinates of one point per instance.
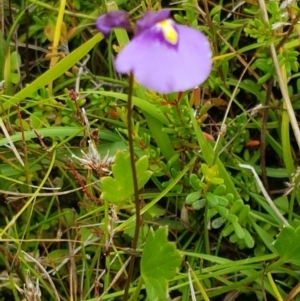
(168, 30)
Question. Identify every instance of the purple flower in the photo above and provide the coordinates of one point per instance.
(150, 19)
(163, 55)
(115, 18)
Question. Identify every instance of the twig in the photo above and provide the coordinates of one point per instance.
(264, 192)
(135, 187)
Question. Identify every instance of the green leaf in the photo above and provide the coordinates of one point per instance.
(15, 61)
(196, 183)
(144, 230)
(199, 204)
(209, 153)
(211, 199)
(161, 138)
(142, 164)
(14, 78)
(220, 190)
(222, 201)
(287, 244)
(193, 197)
(57, 256)
(218, 222)
(282, 204)
(159, 263)
(222, 211)
(238, 230)
(249, 242)
(244, 213)
(237, 206)
(265, 237)
(232, 218)
(143, 174)
(217, 181)
(120, 187)
(53, 73)
(228, 230)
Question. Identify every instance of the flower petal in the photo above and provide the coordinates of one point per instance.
(113, 19)
(167, 68)
(149, 19)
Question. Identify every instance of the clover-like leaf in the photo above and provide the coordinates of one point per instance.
(159, 263)
(119, 188)
(287, 244)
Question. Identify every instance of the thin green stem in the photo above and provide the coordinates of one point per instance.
(198, 284)
(135, 187)
(107, 239)
(274, 287)
(110, 61)
(218, 246)
(139, 287)
(206, 233)
(291, 206)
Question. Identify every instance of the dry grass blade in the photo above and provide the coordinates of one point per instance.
(43, 272)
(192, 290)
(122, 270)
(54, 193)
(264, 192)
(293, 293)
(11, 144)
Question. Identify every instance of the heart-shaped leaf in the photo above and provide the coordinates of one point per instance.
(287, 244)
(159, 263)
(119, 188)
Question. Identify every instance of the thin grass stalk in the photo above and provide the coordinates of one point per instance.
(32, 199)
(107, 246)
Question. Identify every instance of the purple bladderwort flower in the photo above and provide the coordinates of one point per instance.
(115, 18)
(163, 55)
